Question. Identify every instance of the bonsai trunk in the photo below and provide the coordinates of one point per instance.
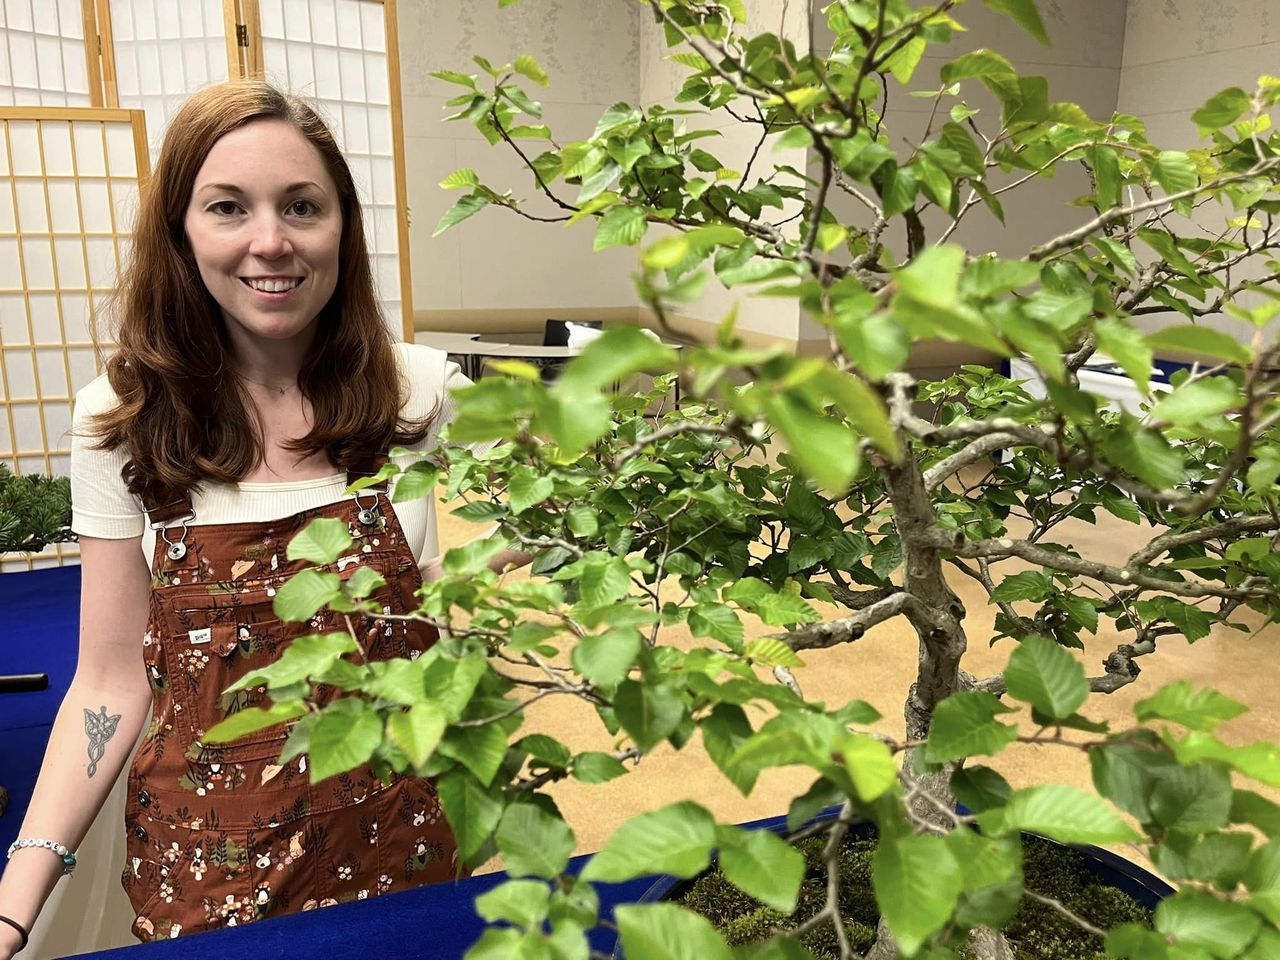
(937, 615)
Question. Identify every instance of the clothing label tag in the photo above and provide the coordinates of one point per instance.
(203, 635)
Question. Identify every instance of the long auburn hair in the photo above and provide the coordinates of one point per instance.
(183, 414)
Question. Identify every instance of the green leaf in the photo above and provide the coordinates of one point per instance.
(664, 931)
(877, 344)
(870, 766)
(342, 740)
(1106, 172)
(979, 63)
(593, 767)
(675, 839)
(363, 582)
(1201, 341)
(1197, 919)
(533, 843)
(824, 448)
(772, 652)
(1260, 760)
(917, 882)
(613, 356)
(1196, 400)
(473, 812)
(1027, 585)
(1046, 676)
(1120, 256)
(1118, 505)
(717, 622)
(522, 902)
(979, 788)
(1221, 110)
(417, 731)
(480, 749)
(725, 730)
(899, 190)
(1147, 455)
(574, 422)
(933, 277)
(964, 725)
(251, 720)
(1025, 14)
(1128, 347)
(648, 712)
(761, 864)
(526, 489)
(527, 66)
(622, 225)
(583, 520)
(320, 541)
(418, 481)
(305, 657)
(1059, 812)
(465, 207)
(462, 177)
(1194, 708)
(605, 659)
(1175, 171)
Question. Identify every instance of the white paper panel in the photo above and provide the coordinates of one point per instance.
(46, 265)
(42, 57)
(343, 69)
(165, 49)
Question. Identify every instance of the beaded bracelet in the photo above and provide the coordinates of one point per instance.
(21, 931)
(68, 858)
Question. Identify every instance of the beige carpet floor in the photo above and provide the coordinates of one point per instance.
(879, 669)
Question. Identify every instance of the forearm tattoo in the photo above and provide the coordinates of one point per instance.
(100, 729)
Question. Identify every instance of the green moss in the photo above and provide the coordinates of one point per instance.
(1036, 932)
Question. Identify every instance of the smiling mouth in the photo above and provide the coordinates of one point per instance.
(272, 285)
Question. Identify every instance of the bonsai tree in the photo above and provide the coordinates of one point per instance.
(35, 511)
(781, 480)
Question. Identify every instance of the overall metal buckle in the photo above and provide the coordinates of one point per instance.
(177, 549)
(367, 515)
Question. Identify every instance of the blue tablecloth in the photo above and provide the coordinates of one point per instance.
(39, 632)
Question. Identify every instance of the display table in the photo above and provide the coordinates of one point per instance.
(38, 633)
(431, 923)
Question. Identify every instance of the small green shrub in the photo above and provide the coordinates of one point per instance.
(35, 511)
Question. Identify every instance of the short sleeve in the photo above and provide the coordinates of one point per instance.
(433, 378)
(101, 505)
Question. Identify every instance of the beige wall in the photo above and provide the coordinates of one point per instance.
(1082, 66)
(1157, 58)
(1179, 53)
(660, 81)
(499, 260)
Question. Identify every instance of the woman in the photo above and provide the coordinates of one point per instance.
(254, 381)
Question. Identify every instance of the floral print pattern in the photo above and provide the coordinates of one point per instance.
(223, 835)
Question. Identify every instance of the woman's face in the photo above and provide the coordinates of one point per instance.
(265, 223)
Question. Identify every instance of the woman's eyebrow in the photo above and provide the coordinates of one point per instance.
(232, 188)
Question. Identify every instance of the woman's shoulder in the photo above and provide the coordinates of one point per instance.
(429, 373)
(95, 397)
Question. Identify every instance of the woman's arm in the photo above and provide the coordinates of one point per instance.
(504, 560)
(80, 767)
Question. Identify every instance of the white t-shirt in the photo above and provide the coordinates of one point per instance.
(103, 507)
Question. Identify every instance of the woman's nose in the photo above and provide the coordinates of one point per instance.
(270, 240)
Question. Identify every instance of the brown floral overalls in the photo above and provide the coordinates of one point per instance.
(224, 835)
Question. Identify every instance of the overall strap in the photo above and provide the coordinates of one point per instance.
(368, 467)
(169, 512)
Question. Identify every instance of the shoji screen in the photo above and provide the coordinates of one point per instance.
(342, 55)
(68, 192)
(158, 51)
(42, 54)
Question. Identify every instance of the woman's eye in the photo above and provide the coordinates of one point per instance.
(302, 208)
(224, 207)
